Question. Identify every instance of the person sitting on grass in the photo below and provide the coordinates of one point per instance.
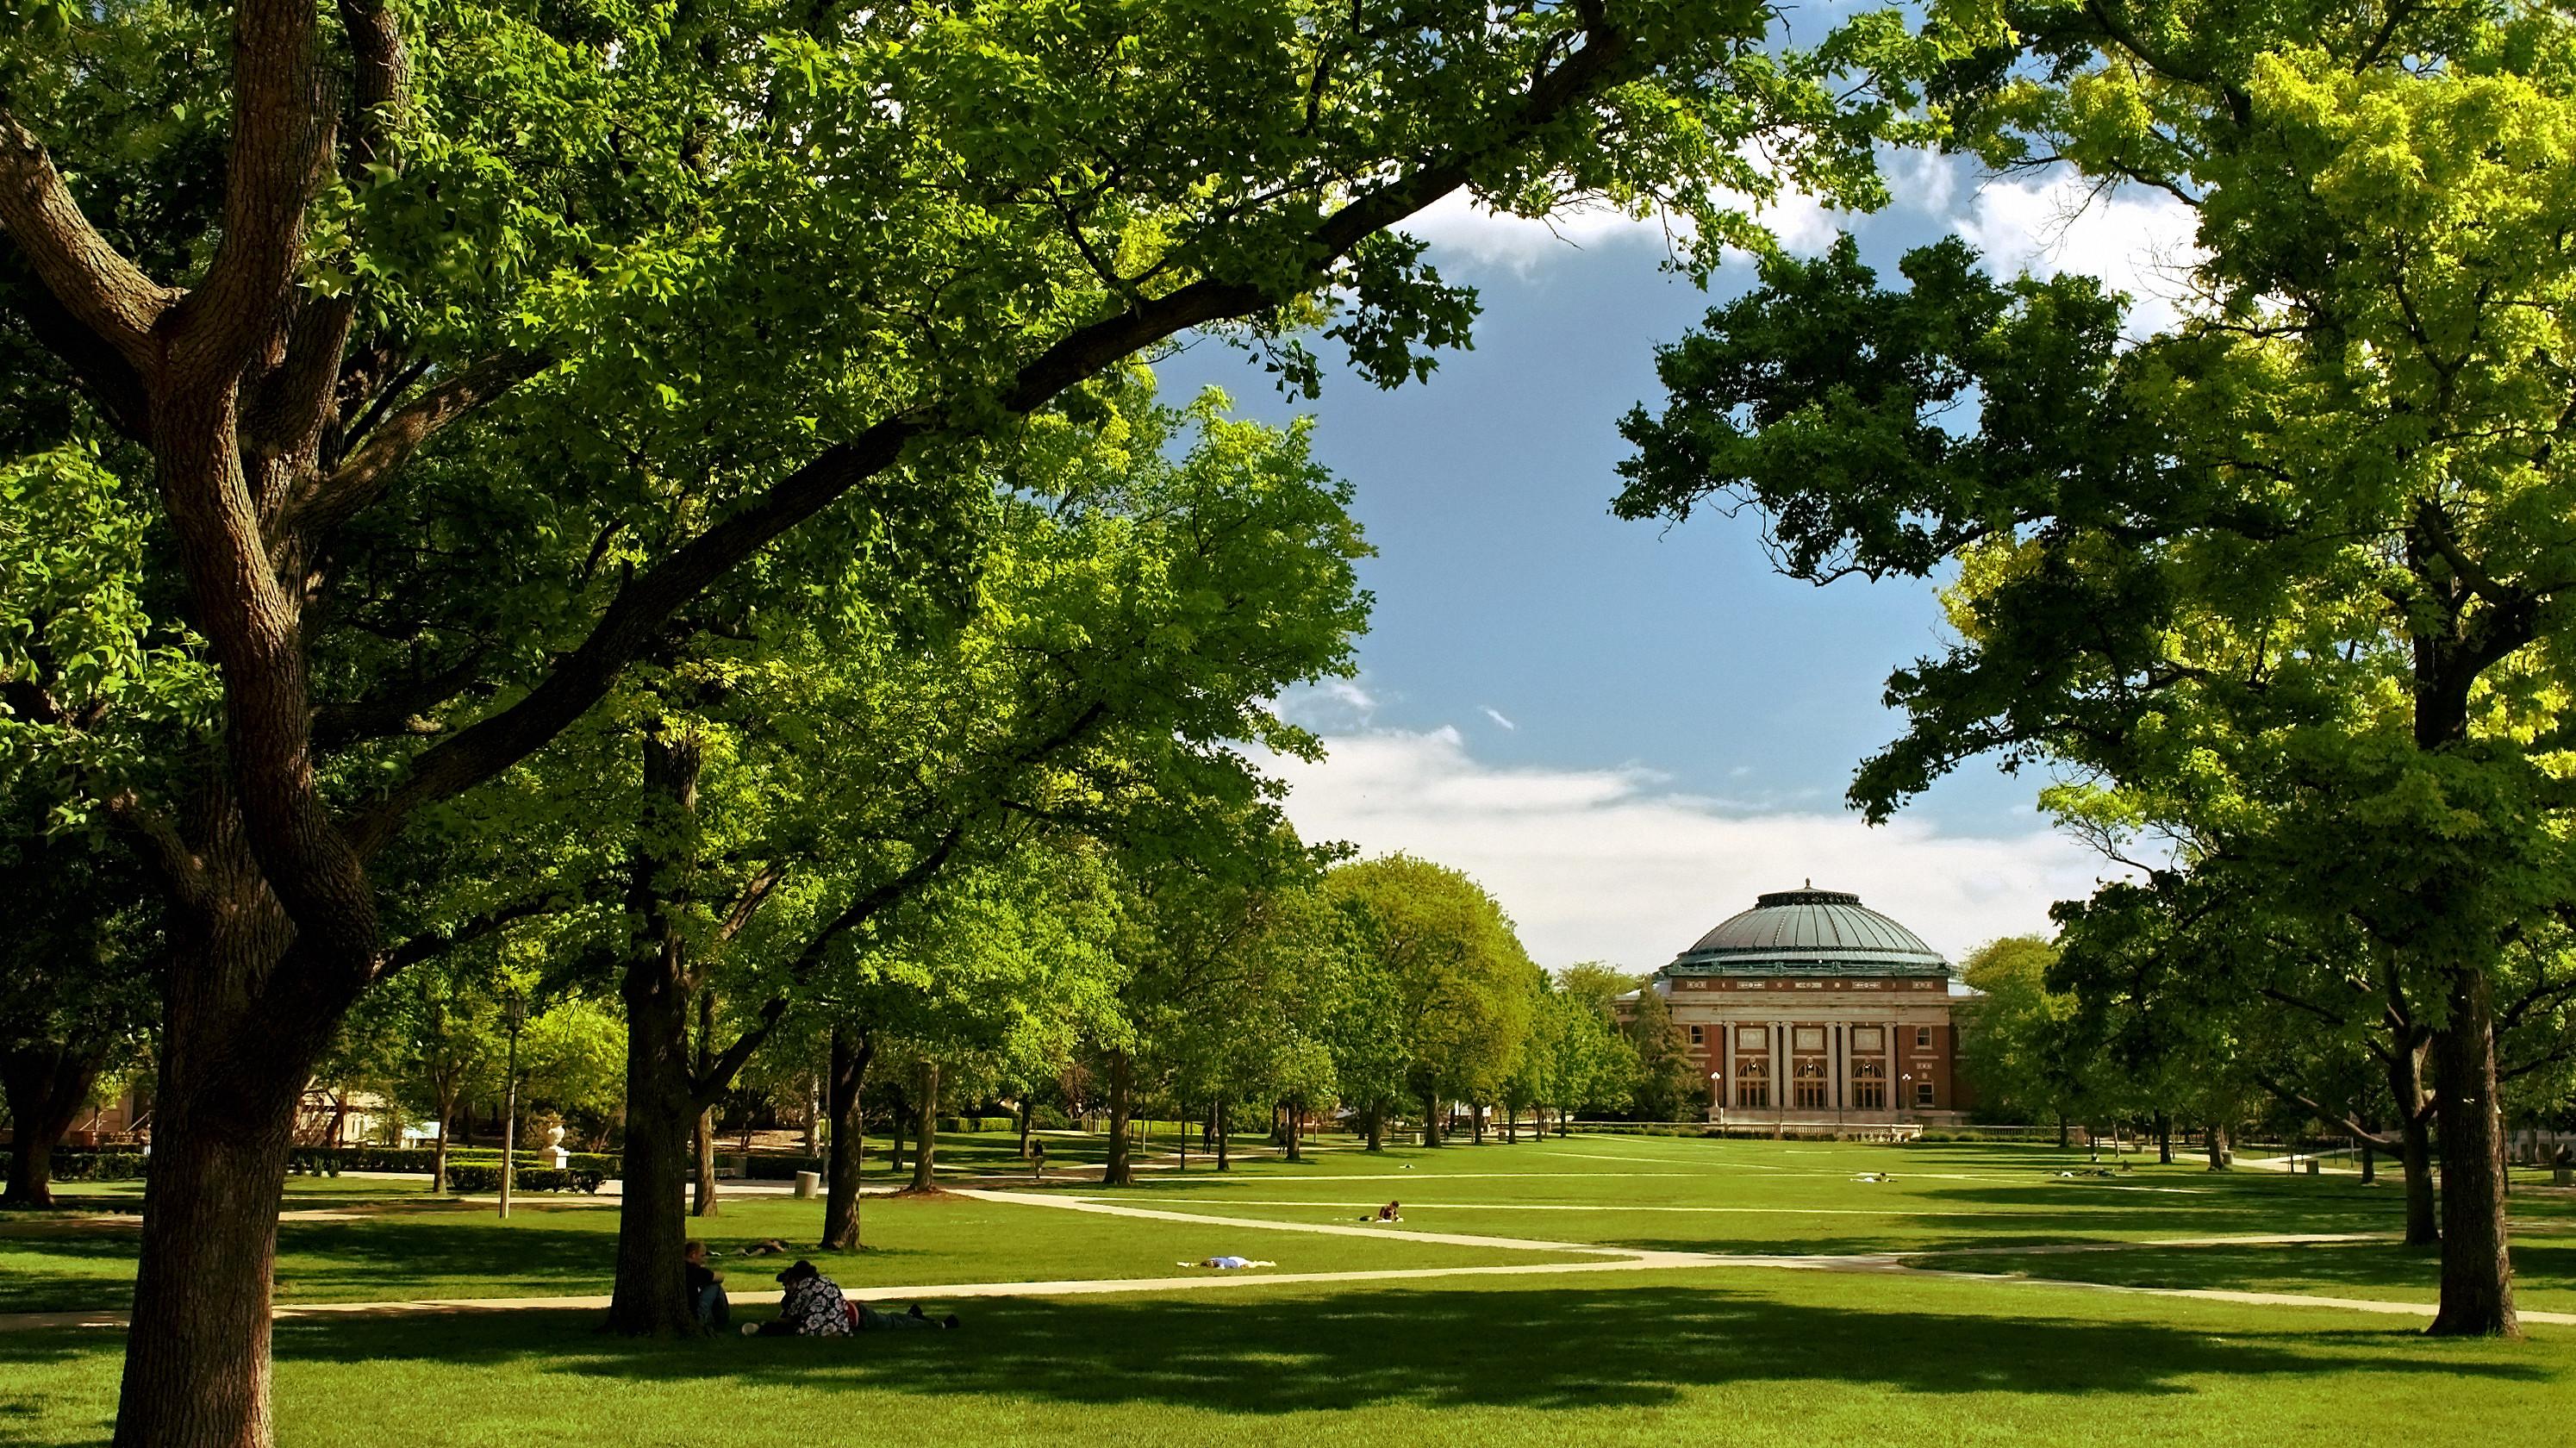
(706, 1289)
(812, 1307)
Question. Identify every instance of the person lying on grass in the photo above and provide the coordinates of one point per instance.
(706, 1289)
(1226, 1264)
(814, 1307)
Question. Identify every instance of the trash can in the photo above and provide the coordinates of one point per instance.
(2314, 1166)
(809, 1183)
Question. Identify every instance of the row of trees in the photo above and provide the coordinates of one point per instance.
(665, 496)
(2282, 590)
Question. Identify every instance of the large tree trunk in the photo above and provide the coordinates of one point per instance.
(197, 1355)
(2164, 1138)
(925, 1155)
(848, 1076)
(2217, 1144)
(47, 1083)
(2477, 1268)
(651, 1296)
(1120, 1171)
(1475, 1124)
(1296, 1117)
(1430, 1118)
(1373, 1123)
(1028, 1123)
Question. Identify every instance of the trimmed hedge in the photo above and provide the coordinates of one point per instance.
(331, 1161)
(98, 1164)
(772, 1167)
(468, 1179)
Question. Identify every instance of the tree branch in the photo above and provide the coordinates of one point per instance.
(363, 475)
(281, 129)
(642, 608)
(107, 295)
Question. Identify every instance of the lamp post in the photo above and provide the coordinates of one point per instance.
(1904, 1089)
(1717, 1097)
(510, 1098)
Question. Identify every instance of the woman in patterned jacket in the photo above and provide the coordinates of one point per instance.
(813, 1307)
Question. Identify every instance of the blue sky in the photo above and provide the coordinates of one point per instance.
(1626, 731)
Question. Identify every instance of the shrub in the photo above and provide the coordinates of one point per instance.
(98, 1164)
(470, 1179)
(773, 1167)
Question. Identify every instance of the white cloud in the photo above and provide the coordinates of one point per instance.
(1327, 705)
(1497, 716)
(1460, 230)
(1611, 864)
(2140, 242)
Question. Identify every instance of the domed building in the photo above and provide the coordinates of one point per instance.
(1810, 1013)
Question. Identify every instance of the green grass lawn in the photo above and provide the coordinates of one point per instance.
(1736, 1354)
(1692, 1357)
(560, 1247)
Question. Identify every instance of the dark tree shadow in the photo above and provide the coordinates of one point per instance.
(1524, 1346)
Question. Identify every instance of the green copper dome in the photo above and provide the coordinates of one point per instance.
(1810, 932)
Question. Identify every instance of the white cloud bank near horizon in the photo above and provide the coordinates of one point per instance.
(1608, 864)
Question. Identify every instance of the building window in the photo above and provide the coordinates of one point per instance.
(1872, 1039)
(1753, 1084)
(1869, 1087)
(1809, 1078)
(1753, 1038)
(1922, 1093)
(1923, 1037)
(1699, 1035)
(1807, 1038)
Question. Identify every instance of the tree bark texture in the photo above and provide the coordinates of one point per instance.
(847, 1077)
(1430, 1118)
(1120, 1172)
(2164, 1138)
(197, 1361)
(2217, 1143)
(2477, 1266)
(650, 1298)
(1373, 1122)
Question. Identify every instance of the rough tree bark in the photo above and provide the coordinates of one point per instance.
(1373, 1125)
(2477, 1267)
(2217, 1142)
(852, 1048)
(650, 1298)
(925, 1130)
(47, 1083)
(1430, 1118)
(1120, 1172)
(1294, 1117)
(2164, 1138)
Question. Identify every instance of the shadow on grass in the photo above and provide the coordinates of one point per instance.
(1523, 1347)
(2363, 1269)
